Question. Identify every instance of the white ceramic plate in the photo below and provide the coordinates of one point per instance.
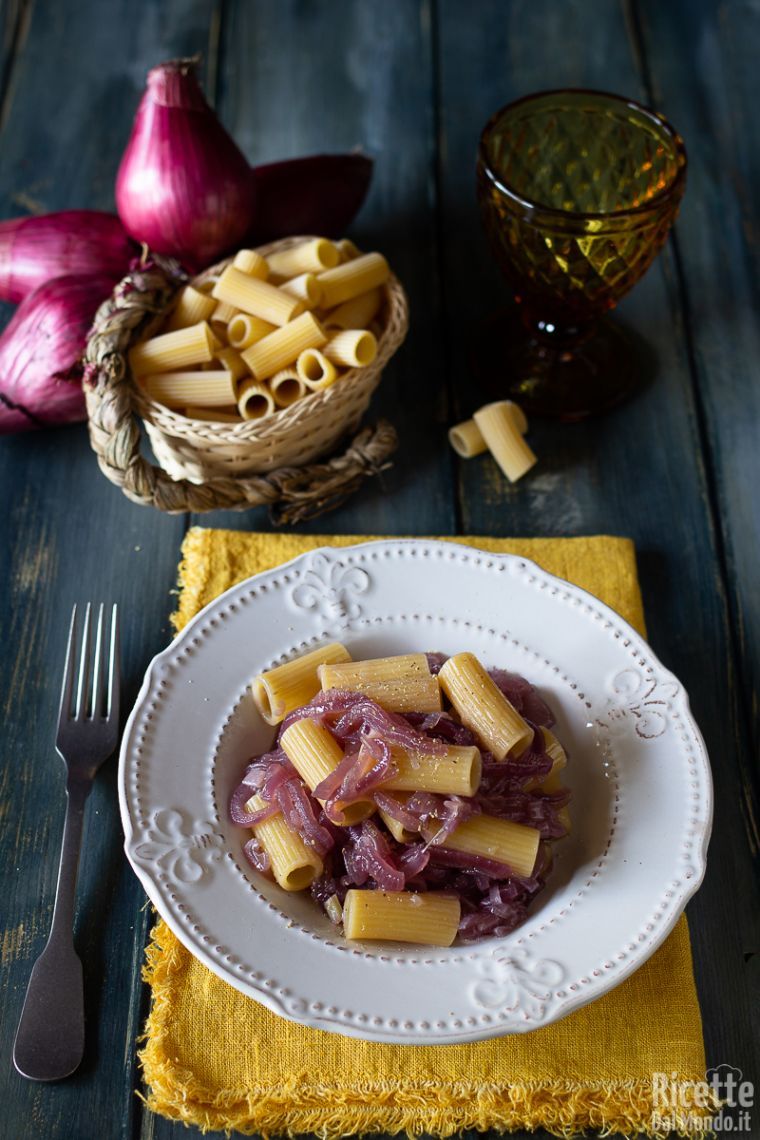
(640, 777)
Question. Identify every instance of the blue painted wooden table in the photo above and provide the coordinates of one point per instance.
(678, 469)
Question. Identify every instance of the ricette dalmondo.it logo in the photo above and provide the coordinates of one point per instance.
(722, 1102)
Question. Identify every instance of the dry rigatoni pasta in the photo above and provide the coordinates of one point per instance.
(500, 427)
(203, 389)
(215, 415)
(191, 308)
(358, 313)
(233, 362)
(315, 370)
(466, 439)
(250, 262)
(287, 386)
(282, 347)
(306, 288)
(355, 348)
(352, 278)
(222, 315)
(400, 684)
(308, 257)
(278, 691)
(347, 250)
(254, 400)
(243, 330)
(294, 865)
(428, 919)
(173, 351)
(455, 771)
(315, 754)
(256, 297)
(482, 706)
(499, 840)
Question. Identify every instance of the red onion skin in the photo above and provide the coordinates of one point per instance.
(321, 194)
(37, 249)
(41, 350)
(183, 185)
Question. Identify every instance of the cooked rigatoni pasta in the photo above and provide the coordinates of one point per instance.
(455, 771)
(355, 348)
(283, 346)
(294, 865)
(278, 691)
(251, 262)
(203, 389)
(255, 400)
(256, 297)
(399, 684)
(191, 308)
(308, 257)
(173, 351)
(243, 330)
(315, 370)
(306, 288)
(286, 386)
(482, 706)
(352, 278)
(233, 362)
(400, 833)
(500, 840)
(467, 440)
(499, 426)
(357, 313)
(315, 753)
(428, 919)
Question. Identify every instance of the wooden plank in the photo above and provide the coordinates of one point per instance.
(703, 67)
(369, 85)
(636, 472)
(69, 535)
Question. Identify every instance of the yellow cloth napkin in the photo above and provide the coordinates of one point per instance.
(219, 1060)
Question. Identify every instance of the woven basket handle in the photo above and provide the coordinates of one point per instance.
(292, 493)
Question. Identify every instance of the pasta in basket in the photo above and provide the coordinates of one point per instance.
(417, 797)
(271, 331)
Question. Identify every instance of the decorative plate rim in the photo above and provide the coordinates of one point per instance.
(518, 963)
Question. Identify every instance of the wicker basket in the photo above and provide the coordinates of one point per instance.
(205, 465)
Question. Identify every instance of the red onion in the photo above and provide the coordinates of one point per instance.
(40, 353)
(183, 186)
(320, 194)
(256, 855)
(35, 250)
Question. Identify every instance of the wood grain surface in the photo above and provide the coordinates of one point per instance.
(678, 470)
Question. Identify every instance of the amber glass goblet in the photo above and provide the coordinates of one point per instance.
(578, 190)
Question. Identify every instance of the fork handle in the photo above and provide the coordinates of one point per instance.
(50, 1037)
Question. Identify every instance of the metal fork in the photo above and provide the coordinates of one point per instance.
(50, 1038)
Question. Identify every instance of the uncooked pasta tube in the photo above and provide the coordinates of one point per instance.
(254, 400)
(180, 389)
(251, 262)
(287, 386)
(315, 370)
(173, 351)
(244, 330)
(352, 278)
(309, 257)
(306, 288)
(192, 307)
(283, 346)
(232, 361)
(355, 348)
(499, 427)
(256, 297)
(357, 313)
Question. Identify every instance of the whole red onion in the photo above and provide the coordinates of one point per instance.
(320, 194)
(183, 186)
(35, 250)
(41, 350)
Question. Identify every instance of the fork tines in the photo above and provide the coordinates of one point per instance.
(91, 693)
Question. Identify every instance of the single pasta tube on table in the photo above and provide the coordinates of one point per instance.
(352, 278)
(400, 684)
(428, 919)
(306, 288)
(315, 753)
(278, 691)
(200, 389)
(243, 330)
(287, 386)
(215, 415)
(453, 772)
(315, 370)
(400, 833)
(467, 440)
(233, 362)
(256, 297)
(501, 840)
(482, 706)
(357, 313)
(294, 865)
(267, 356)
(308, 257)
(191, 308)
(250, 262)
(255, 401)
(354, 348)
(173, 351)
(499, 426)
